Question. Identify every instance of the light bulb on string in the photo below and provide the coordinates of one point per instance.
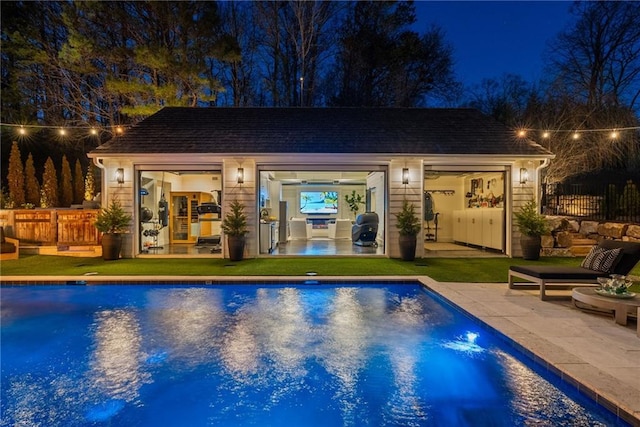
(546, 134)
(576, 135)
(614, 135)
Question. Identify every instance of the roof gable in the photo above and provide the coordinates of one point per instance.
(420, 131)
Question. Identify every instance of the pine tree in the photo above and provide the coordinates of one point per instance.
(15, 177)
(66, 186)
(49, 193)
(31, 182)
(78, 183)
(89, 185)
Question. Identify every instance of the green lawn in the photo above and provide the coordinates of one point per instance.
(441, 269)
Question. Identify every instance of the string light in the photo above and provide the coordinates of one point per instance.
(23, 130)
(613, 133)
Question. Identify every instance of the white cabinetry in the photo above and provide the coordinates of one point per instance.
(474, 227)
(480, 227)
(268, 237)
(460, 226)
(492, 228)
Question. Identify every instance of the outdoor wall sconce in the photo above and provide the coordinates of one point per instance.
(240, 176)
(524, 175)
(120, 175)
(405, 176)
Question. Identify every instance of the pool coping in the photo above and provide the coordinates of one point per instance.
(620, 398)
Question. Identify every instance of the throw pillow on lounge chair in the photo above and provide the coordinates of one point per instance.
(601, 259)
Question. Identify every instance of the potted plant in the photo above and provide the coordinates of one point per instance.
(409, 225)
(354, 201)
(234, 226)
(112, 221)
(532, 226)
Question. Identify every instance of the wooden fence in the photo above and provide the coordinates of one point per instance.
(48, 227)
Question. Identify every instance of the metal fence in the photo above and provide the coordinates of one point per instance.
(600, 202)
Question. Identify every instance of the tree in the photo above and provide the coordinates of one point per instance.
(89, 185)
(599, 58)
(506, 99)
(78, 183)
(236, 66)
(66, 184)
(595, 67)
(15, 177)
(32, 186)
(49, 190)
(382, 63)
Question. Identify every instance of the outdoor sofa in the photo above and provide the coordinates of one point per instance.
(10, 247)
(543, 276)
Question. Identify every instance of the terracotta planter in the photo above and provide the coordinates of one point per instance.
(111, 246)
(236, 247)
(407, 247)
(531, 246)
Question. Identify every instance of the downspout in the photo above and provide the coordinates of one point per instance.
(103, 184)
(543, 165)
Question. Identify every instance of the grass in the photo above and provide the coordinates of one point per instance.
(441, 269)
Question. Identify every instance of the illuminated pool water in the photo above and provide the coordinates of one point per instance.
(270, 355)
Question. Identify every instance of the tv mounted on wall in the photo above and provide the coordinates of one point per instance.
(318, 202)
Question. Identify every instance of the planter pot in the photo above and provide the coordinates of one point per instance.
(236, 247)
(111, 245)
(407, 247)
(531, 246)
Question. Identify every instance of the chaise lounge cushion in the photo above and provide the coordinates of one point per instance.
(630, 255)
(560, 273)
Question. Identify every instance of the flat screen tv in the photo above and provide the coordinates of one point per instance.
(318, 202)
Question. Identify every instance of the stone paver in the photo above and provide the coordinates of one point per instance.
(589, 348)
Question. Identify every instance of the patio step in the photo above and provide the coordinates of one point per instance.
(581, 247)
(63, 250)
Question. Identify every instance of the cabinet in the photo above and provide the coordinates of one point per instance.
(268, 237)
(184, 225)
(480, 227)
(459, 226)
(492, 228)
(474, 227)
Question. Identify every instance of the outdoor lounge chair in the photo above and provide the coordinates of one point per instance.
(10, 247)
(570, 277)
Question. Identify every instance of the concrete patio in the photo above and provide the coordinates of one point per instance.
(586, 349)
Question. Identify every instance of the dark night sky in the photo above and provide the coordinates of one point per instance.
(492, 38)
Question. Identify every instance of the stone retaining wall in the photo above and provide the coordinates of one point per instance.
(573, 237)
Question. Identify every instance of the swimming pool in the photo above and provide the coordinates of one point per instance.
(268, 355)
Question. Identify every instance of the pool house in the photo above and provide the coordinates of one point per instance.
(301, 172)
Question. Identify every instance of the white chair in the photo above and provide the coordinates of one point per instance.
(341, 229)
(299, 229)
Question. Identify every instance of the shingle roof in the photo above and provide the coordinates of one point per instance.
(421, 131)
